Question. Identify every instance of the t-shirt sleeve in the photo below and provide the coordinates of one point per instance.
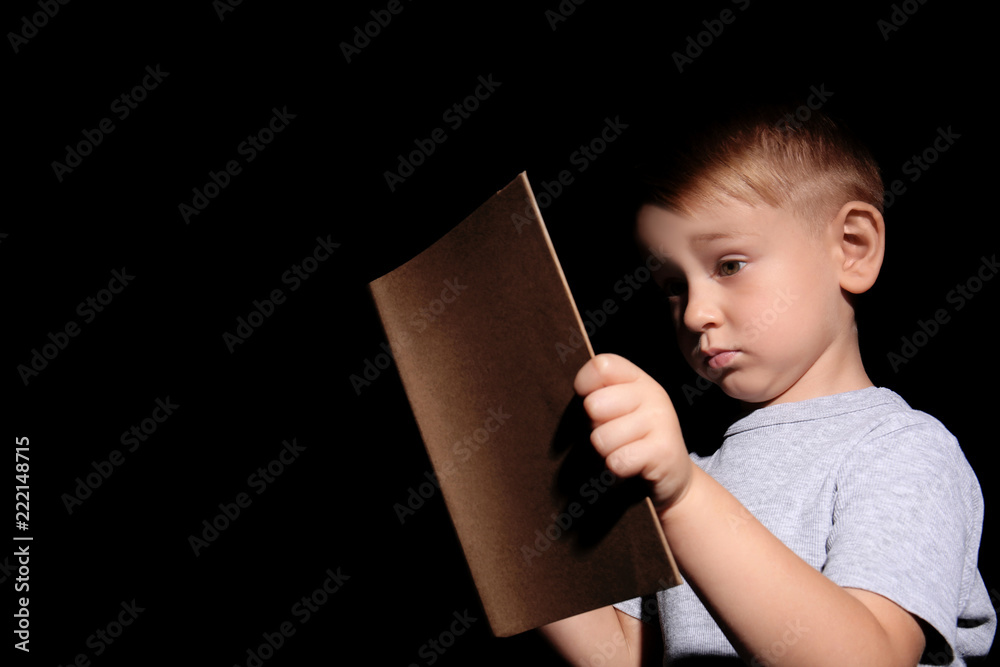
(643, 608)
(906, 525)
(631, 607)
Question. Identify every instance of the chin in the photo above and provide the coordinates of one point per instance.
(754, 396)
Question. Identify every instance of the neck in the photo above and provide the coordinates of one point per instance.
(838, 370)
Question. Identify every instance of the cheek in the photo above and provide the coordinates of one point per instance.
(676, 314)
(771, 312)
(686, 339)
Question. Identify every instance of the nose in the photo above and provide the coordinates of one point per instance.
(700, 308)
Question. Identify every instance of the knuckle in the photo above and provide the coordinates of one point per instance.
(616, 464)
(622, 462)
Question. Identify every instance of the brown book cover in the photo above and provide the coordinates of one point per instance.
(487, 340)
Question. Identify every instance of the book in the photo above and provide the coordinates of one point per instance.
(487, 341)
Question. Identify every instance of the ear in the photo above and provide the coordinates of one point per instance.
(860, 231)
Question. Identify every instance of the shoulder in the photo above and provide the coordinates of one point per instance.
(908, 469)
(893, 433)
(907, 519)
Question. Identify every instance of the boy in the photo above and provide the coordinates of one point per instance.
(835, 525)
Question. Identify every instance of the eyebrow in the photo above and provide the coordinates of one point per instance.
(716, 236)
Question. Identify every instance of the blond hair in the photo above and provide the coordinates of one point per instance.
(767, 157)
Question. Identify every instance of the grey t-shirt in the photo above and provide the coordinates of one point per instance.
(870, 492)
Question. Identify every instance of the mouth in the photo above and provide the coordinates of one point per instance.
(716, 358)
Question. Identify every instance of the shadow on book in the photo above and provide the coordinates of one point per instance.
(593, 498)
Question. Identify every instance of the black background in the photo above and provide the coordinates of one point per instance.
(323, 176)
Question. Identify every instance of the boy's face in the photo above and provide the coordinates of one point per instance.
(756, 298)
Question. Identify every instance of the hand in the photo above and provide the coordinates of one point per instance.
(636, 430)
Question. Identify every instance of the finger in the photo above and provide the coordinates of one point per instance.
(607, 403)
(618, 433)
(604, 370)
(636, 458)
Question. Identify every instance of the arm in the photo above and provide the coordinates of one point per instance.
(773, 606)
(605, 636)
(768, 601)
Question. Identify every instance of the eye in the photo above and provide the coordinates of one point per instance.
(731, 267)
(675, 287)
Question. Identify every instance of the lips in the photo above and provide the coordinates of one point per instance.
(717, 358)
